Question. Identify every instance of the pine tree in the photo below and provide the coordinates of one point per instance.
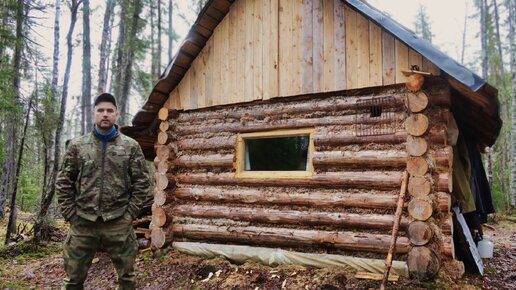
(422, 24)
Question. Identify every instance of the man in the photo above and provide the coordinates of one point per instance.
(101, 187)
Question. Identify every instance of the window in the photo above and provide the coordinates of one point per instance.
(275, 154)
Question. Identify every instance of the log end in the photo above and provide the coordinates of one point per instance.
(423, 263)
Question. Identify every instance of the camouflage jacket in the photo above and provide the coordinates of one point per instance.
(93, 182)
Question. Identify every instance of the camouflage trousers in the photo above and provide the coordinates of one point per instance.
(85, 238)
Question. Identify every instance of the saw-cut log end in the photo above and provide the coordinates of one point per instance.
(419, 233)
(416, 124)
(423, 263)
(416, 146)
(415, 82)
(420, 209)
(417, 102)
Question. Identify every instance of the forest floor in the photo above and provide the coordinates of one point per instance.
(24, 266)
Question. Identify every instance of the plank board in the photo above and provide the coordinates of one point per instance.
(375, 55)
(285, 44)
(328, 57)
(257, 51)
(240, 64)
(249, 49)
(184, 91)
(350, 17)
(430, 67)
(362, 69)
(297, 10)
(339, 42)
(318, 48)
(402, 60)
(388, 59)
(307, 41)
(232, 79)
(273, 55)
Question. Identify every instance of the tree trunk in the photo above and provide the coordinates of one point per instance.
(40, 224)
(118, 63)
(158, 52)
(86, 69)
(128, 69)
(153, 44)
(11, 225)
(511, 7)
(105, 46)
(170, 31)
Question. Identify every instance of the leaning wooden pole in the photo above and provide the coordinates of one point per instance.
(395, 229)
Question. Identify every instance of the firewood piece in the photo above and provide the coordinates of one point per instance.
(161, 197)
(376, 276)
(417, 166)
(420, 209)
(395, 229)
(417, 102)
(163, 126)
(162, 137)
(343, 179)
(414, 82)
(284, 216)
(419, 233)
(141, 220)
(290, 237)
(422, 263)
(443, 182)
(162, 181)
(364, 158)
(443, 158)
(416, 146)
(161, 237)
(419, 186)
(446, 225)
(416, 124)
(162, 152)
(448, 247)
(310, 199)
(163, 114)
(163, 167)
(160, 217)
(443, 202)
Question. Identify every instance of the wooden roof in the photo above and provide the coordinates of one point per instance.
(476, 99)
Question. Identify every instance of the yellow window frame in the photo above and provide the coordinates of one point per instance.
(240, 154)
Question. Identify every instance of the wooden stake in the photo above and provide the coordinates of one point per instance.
(395, 229)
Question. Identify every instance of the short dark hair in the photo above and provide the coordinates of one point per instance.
(105, 97)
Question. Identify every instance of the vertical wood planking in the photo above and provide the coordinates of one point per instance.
(375, 55)
(430, 67)
(318, 46)
(388, 59)
(257, 50)
(266, 60)
(285, 43)
(297, 9)
(249, 45)
(273, 55)
(184, 91)
(350, 18)
(175, 100)
(363, 51)
(208, 79)
(233, 78)
(339, 42)
(225, 55)
(328, 56)
(240, 64)
(195, 100)
(217, 65)
(415, 59)
(402, 61)
(307, 48)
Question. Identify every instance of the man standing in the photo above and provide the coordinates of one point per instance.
(101, 187)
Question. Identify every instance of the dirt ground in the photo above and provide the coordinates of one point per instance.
(28, 268)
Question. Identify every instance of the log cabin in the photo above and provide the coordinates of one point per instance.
(290, 124)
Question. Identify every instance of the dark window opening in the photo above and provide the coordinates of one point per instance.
(277, 154)
(376, 111)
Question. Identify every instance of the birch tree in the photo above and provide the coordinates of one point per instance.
(105, 46)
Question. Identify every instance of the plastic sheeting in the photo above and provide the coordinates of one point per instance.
(275, 257)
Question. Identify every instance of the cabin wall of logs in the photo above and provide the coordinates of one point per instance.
(347, 207)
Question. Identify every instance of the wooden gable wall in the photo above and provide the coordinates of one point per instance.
(271, 48)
